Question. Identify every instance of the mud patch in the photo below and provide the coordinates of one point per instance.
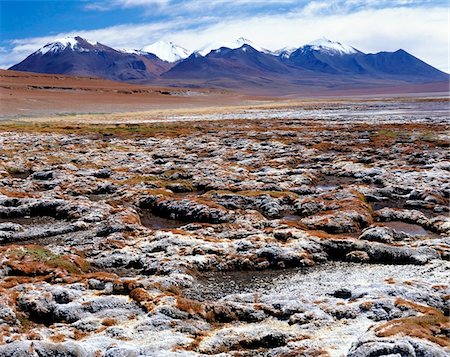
(35, 221)
(409, 228)
(150, 220)
(20, 175)
(291, 218)
(216, 285)
(332, 182)
(98, 197)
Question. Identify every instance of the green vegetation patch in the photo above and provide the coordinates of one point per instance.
(36, 254)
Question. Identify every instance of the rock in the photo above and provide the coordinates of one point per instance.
(122, 352)
(382, 348)
(407, 347)
(62, 296)
(10, 227)
(7, 315)
(96, 284)
(383, 235)
(306, 207)
(180, 187)
(192, 211)
(302, 318)
(379, 252)
(40, 307)
(34, 233)
(103, 173)
(378, 234)
(344, 312)
(357, 256)
(104, 188)
(43, 175)
(226, 340)
(343, 293)
(227, 312)
(43, 349)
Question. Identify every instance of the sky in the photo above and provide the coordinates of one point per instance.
(420, 27)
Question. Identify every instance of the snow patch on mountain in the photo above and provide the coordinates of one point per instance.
(60, 44)
(133, 51)
(331, 47)
(284, 52)
(214, 46)
(167, 51)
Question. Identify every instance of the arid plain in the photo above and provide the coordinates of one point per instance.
(143, 221)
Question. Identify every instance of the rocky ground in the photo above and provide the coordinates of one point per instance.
(312, 233)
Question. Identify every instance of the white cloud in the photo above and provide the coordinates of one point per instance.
(311, 7)
(125, 4)
(190, 8)
(368, 30)
(422, 32)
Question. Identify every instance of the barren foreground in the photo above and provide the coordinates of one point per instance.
(318, 231)
(32, 94)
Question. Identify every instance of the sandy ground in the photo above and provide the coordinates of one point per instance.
(29, 95)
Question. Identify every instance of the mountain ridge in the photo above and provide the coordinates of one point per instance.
(321, 63)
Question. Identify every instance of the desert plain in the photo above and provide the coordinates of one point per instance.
(143, 221)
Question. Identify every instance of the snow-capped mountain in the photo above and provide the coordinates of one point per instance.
(72, 43)
(167, 51)
(335, 58)
(68, 43)
(322, 45)
(326, 56)
(237, 64)
(77, 56)
(243, 63)
(233, 45)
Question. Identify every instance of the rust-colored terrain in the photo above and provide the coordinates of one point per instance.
(30, 94)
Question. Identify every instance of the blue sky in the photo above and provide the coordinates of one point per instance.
(418, 26)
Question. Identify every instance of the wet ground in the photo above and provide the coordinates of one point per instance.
(36, 221)
(321, 279)
(20, 175)
(409, 228)
(331, 182)
(152, 221)
(217, 285)
(99, 197)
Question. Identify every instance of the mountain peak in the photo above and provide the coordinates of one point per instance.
(75, 43)
(238, 43)
(331, 47)
(243, 41)
(231, 64)
(132, 51)
(167, 51)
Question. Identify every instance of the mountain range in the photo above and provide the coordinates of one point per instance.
(239, 65)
